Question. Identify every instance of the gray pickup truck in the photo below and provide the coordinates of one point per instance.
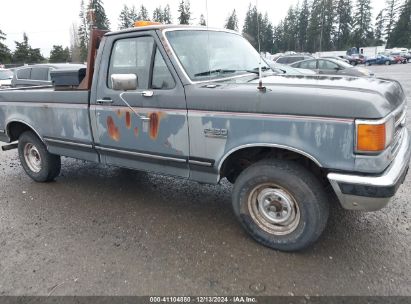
(191, 102)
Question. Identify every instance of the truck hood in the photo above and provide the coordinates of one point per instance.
(324, 96)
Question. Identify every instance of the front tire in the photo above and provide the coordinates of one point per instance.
(38, 163)
(388, 62)
(281, 204)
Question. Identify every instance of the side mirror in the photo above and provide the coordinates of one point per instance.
(124, 82)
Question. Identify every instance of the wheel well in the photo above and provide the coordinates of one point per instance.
(241, 159)
(15, 129)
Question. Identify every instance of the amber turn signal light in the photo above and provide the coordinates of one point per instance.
(371, 138)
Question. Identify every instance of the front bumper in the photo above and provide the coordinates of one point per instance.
(370, 193)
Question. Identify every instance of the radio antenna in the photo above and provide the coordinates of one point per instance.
(260, 76)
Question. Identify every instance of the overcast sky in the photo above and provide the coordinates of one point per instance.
(48, 22)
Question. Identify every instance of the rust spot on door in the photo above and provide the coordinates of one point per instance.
(112, 129)
(128, 120)
(136, 132)
(119, 113)
(155, 120)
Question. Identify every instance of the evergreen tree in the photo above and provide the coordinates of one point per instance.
(167, 18)
(267, 42)
(59, 54)
(254, 21)
(290, 30)
(35, 56)
(83, 32)
(379, 28)
(5, 54)
(314, 27)
(158, 15)
(401, 33)
(124, 21)
(132, 15)
(143, 14)
(391, 10)
(184, 10)
(96, 15)
(202, 21)
(24, 53)
(232, 22)
(303, 21)
(344, 22)
(278, 37)
(363, 33)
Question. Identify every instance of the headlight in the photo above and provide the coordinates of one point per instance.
(374, 137)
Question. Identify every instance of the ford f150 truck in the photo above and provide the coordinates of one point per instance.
(197, 103)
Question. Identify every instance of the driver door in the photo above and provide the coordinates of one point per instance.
(146, 128)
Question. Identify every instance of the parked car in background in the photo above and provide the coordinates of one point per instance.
(39, 74)
(336, 58)
(332, 67)
(399, 59)
(380, 59)
(356, 59)
(288, 70)
(289, 59)
(5, 78)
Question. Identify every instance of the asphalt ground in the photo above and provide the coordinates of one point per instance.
(108, 231)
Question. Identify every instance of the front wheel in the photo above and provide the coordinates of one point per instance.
(38, 163)
(281, 204)
(388, 62)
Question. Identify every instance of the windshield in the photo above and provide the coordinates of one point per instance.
(207, 55)
(6, 74)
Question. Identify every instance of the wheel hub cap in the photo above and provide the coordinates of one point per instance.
(32, 158)
(274, 209)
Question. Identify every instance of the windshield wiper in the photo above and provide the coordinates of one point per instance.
(256, 70)
(220, 71)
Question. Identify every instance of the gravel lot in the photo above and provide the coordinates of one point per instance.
(110, 231)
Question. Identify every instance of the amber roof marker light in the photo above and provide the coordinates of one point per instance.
(141, 23)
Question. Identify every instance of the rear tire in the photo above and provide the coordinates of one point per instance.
(388, 62)
(38, 163)
(281, 204)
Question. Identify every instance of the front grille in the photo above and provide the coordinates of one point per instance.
(400, 121)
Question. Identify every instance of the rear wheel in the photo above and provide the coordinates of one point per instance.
(38, 163)
(280, 204)
(388, 62)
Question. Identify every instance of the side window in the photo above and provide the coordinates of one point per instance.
(23, 73)
(309, 64)
(40, 74)
(326, 65)
(162, 78)
(282, 60)
(132, 56)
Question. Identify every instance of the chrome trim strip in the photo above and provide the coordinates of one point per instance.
(200, 163)
(144, 155)
(265, 145)
(3, 131)
(70, 143)
(29, 88)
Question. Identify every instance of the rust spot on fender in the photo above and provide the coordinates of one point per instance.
(128, 120)
(112, 129)
(155, 120)
(136, 132)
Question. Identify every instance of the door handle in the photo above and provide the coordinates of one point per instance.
(147, 93)
(104, 101)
